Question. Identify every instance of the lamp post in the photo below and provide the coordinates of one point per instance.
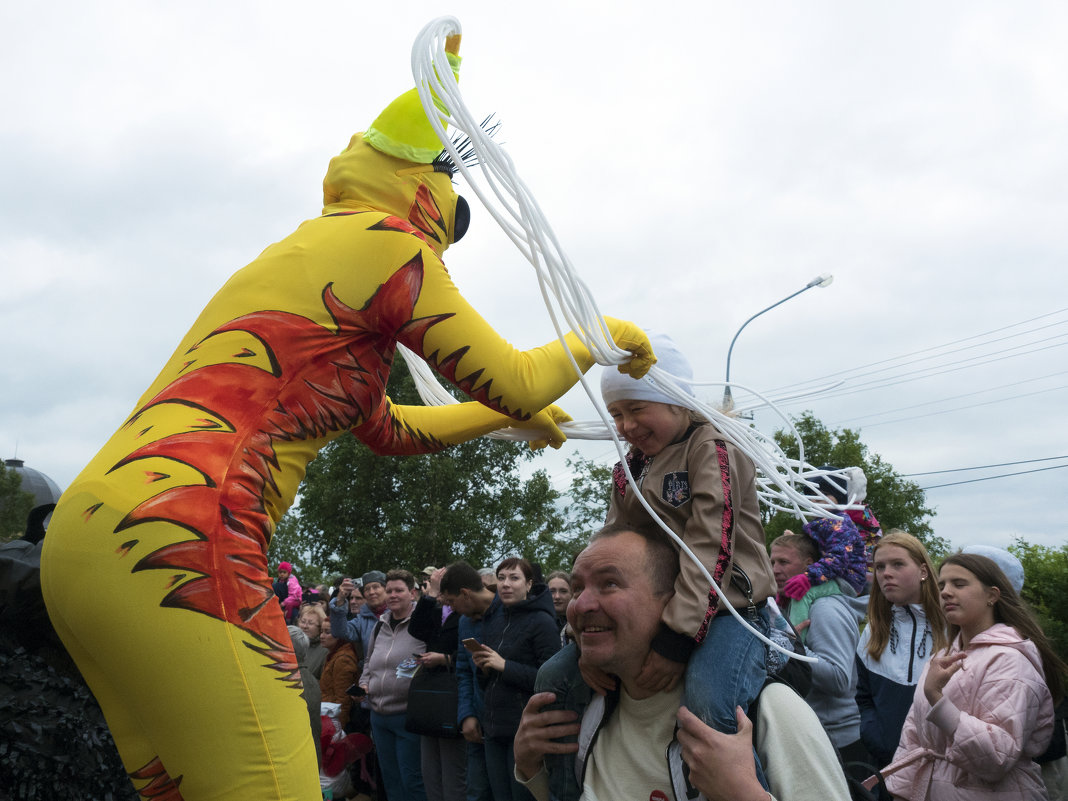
(819, 280)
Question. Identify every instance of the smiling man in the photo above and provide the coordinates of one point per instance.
(621, 583)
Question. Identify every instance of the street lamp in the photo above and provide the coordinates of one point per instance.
(819, 280)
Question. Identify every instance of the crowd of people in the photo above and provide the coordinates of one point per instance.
(362, 643)
(931, 683)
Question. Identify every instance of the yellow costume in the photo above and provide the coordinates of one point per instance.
(154, 568)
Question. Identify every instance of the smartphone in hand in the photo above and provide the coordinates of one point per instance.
(472, 645)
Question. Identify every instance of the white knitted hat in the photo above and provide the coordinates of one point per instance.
(616, 386)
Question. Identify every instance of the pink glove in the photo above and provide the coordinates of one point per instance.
(797, 586)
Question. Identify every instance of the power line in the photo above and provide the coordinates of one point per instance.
(983, 466)
(855, 370)
(969, 406)
(991, 478)
(556, 478)
(961, 364)
(886, 381)
(954, 397)
(930, 372)
(857, 375)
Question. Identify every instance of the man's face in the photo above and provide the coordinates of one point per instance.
(614, 609)
(787, 562)
(375, 594)
(398, 597)
(463, 602)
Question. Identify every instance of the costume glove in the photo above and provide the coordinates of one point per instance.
(630, 337)
(546, 421)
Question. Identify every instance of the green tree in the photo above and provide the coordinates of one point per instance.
(358, 511)
(897, 502)
(1045, 580)
(583, 509)
(15, 504)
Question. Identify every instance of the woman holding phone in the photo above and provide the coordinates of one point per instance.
(516, 640)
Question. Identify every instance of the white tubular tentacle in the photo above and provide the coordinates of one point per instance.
(510, 202)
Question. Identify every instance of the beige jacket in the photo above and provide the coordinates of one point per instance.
(704, 488)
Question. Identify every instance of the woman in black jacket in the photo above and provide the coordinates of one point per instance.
(516, 640)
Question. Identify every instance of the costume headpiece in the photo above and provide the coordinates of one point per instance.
(403, 130)
(400, 166)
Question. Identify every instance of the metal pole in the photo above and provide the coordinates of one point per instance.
(820, 281)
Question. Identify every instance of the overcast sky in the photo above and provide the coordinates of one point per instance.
(698, 161)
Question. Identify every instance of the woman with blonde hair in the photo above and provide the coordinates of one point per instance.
(310, 621)
(905, 628)
(983, 709)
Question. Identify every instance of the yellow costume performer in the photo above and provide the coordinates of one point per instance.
(154, 568)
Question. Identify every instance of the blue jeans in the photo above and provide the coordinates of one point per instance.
(444, 768)
(478, 786)
(726, 670)
(399, 757)
(500, 765)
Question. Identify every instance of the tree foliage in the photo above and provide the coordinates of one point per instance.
(15, 504)
(1045, 580)
(359, 511)
(896, 502)
(585, 507)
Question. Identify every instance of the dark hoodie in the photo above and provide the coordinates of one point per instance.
(525, 635)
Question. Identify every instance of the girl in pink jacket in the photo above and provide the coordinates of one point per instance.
(983, 708)
(288, 590)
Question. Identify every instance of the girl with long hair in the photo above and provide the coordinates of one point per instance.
(984, 707)
(905, 628)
